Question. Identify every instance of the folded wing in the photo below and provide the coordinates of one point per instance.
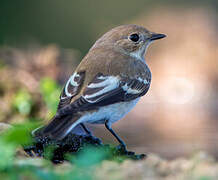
(104, 90)
(101, 91)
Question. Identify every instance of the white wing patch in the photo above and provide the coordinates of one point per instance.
(130, 90)
(72, 79)
(104, 85)
(72, 82)
(108, 84)
(142, 80)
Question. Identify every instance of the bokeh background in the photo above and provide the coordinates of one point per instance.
(41, 43)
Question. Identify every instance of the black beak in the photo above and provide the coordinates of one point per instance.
(155, 36)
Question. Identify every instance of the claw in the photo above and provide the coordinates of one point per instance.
(122, 149)
(130, 153)
(29, 152)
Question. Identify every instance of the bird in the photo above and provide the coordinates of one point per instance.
(106, 85)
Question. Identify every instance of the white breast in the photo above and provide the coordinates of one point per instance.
(113, 113)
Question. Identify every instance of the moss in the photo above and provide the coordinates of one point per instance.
(72, 145)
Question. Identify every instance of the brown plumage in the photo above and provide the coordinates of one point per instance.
(107, 83)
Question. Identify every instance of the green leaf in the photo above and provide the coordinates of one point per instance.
(19, 134)
(7, 152)
(89, 156)
(23, 102)
(50, 91)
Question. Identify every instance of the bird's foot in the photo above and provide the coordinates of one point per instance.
(37, 148)
(33, 151)
(93, 140)
(121, 149)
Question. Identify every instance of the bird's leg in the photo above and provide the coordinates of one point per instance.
(86, 129)
(97, 140)
(122, 144)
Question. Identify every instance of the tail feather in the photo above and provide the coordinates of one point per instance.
(55, 123)
(58, 128)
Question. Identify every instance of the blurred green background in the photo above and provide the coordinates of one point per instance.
(74, 24)
(41, 43)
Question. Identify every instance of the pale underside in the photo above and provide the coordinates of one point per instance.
(112, 113)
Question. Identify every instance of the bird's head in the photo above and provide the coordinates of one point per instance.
(132, 40)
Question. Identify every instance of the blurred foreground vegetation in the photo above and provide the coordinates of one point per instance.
(90, 163)
(15, 165)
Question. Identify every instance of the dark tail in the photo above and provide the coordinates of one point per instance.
(57, 129)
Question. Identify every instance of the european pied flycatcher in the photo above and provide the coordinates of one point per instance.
(107, 84)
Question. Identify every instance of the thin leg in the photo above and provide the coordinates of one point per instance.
(115, 135)
(86, 129)
(122, 145)
(97, 140)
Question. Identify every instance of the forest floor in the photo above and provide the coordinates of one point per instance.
(94, 164)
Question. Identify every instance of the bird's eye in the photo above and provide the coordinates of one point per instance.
(134, 37)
